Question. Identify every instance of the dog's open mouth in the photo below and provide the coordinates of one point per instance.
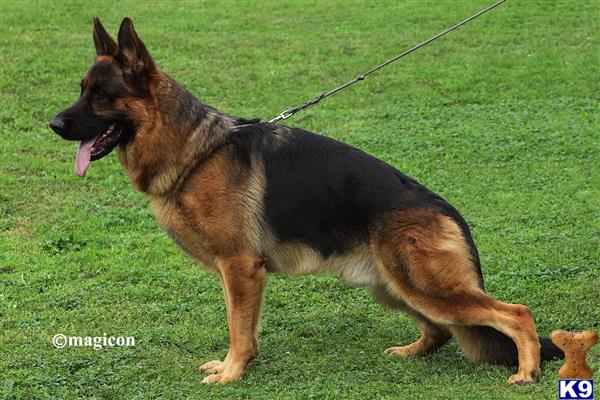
(96, 148)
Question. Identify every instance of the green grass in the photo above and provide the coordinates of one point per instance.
(501, 118)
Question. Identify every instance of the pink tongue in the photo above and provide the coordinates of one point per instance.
(84, 153)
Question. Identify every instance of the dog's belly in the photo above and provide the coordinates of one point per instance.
(356, 267)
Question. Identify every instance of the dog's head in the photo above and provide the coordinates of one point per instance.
(114, 96)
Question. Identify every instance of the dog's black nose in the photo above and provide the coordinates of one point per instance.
(58, 124)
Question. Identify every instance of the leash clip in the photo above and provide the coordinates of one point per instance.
(284, 115)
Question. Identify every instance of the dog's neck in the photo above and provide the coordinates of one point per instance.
(176, 134)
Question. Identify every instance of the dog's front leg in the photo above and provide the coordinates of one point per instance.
(243, 278)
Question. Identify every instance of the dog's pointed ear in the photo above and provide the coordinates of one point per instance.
(132, 53)
(105, 45)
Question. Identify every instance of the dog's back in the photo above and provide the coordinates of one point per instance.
(326, 196)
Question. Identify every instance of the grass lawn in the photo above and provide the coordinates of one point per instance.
(501, 118)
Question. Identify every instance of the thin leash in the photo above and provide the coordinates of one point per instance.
(291, 111)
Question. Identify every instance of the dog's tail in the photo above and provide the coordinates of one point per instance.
(485, 344)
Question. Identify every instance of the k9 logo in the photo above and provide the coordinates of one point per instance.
(575, 389)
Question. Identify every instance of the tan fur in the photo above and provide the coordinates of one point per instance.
(104, 57)
(423, 256)
(212, 216)
(154, 160)
(357, 267)
(244, 279)
(429, 248)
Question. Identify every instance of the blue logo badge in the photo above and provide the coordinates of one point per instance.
(575, 389)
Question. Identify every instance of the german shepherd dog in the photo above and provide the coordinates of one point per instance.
(245, 198)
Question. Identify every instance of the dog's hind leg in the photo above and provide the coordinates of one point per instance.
(425, 261)
(433, 336)
(244, 278)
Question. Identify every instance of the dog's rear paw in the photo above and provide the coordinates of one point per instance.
(213, 367)
(522, 378)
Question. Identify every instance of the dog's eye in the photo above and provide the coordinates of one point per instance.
(99, 93)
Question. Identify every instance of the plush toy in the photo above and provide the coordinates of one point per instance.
(575, 345)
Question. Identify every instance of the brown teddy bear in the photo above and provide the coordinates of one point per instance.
(575, 345)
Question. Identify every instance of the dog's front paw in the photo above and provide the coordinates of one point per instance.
(404, 351)
(220, 378)
(213, 367)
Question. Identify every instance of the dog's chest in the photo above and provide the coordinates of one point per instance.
(171, 217)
